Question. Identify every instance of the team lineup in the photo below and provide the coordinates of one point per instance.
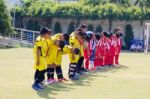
(87, 51)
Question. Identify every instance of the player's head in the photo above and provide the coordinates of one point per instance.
(60, 43)
(105, 34)
(45, 32)
(76, 51)
(121, 34)
(66, 38)
(97, 35)
(109, 35)
(83, 27)
(117, 35)
(80, 36)
(87, 38)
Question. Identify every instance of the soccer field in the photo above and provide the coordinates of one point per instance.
(129, 81)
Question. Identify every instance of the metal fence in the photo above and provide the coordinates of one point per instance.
(25, 35)
(147, 38)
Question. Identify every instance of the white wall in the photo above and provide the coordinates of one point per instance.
(137, 26)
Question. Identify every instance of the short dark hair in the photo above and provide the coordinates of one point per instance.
(66, 37)
(76, 51)
(83, 26)
(61, 44)
(81, 34)
(117, 35)
(97, 35)
(121, 34)
(45, 30)
(87, 38)
(105, 34)
(109, 35)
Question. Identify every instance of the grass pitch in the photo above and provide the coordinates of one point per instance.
(129, 81)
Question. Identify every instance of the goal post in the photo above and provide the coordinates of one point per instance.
(147, 37)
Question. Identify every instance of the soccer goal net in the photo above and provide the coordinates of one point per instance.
(147, 37)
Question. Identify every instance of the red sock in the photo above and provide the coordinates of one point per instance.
(116, 59)
(86, 64)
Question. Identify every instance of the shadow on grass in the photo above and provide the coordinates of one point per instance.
(51, 90)
(85, 80)
(113, 69)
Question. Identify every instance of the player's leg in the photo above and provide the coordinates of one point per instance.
(38, 79)
(50, 74)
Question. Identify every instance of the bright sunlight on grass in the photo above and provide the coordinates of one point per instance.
(129, 81)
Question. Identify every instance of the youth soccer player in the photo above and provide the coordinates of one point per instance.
(77, 41)
(52, 60)
(73, 57)
(39, 52)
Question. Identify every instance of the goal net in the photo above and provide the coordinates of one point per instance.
(147, 37)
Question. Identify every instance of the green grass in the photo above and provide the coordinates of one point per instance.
(129, 81)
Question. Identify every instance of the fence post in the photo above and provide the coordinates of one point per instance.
(33, 37)
(21, 34)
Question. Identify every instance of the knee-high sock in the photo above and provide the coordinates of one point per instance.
(86, 64)
(116, 59)
(59, 72)
(39, 76)
(50, 73)
(79, 64)
(72, 69)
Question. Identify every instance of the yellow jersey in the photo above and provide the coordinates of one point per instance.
(43, 45)
(52, 55)
(59, 58)
(56, 37)
(76, 44)
(55, 52)
(72, 57)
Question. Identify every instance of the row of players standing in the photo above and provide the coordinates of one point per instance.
(86, 50)
(99, 50)
(102, 50)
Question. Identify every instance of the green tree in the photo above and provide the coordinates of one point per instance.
(5, 20)
(70, 28)
(124, 2)
(129, 36)
(33, 25)
(98, 29)
(90, 27)
(57, 28)
(94, 2)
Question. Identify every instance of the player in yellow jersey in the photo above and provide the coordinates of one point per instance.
(39, 52)
(73, 57)
(77, 41)
(65, 38)
(61, 36)
(52, 59)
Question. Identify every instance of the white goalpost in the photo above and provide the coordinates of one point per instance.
(147, 37)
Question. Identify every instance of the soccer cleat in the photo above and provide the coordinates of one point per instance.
(74, 78)
(62, 79)
(84, 70)
(78, 74)
(51, 81)
(54, 81)
(41, 85)
(98, 67)
(82, 73)
(36, 87)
